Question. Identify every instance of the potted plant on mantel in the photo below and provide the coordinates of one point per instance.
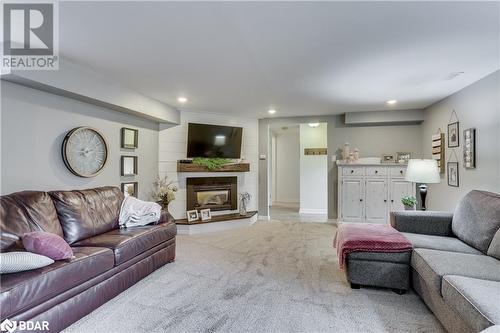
(164, 192)
(211, 163)
(410, 202)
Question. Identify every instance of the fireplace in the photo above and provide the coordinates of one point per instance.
(216, 193)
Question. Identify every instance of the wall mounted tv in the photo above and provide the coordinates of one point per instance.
(214, 141)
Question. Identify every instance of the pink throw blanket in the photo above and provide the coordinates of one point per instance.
(368, 238)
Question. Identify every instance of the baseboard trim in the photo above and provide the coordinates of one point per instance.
(264, 217)
(313, 211)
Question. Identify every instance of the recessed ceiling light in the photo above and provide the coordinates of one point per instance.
(313, 125)
(182, 99)
(271, 111)
(391, 102)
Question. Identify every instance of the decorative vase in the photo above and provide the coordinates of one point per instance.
(345, 152)
(356, 154)
(244, 199)
(410, 207)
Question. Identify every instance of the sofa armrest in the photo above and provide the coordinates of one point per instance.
(423, 222)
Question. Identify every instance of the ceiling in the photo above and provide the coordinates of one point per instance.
(301, 58)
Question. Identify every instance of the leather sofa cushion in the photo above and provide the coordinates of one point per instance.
(27, 211)
(442, 243)
(20, 291)
(477, 219)
(475, 300)
(129, 242)
(432, 265)
(87, 213)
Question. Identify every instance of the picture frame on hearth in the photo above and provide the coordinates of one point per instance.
(206, 214)
(192, 215)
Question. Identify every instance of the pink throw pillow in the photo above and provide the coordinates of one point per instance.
(47, 244)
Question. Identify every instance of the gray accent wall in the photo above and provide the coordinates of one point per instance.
(33, 126)
(371, 140)
(478, 106)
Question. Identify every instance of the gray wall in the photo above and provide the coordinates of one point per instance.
(33, 126)
(478, 105)
(371, 140)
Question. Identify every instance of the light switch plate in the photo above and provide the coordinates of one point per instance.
(262, 157)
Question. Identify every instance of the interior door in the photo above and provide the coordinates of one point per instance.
(376, 200)
(353, 200)
(399, 189)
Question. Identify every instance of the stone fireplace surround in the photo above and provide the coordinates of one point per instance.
(216, 193)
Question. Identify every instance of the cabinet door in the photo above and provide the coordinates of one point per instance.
(376, 200)
(398, 189)
(353, 200)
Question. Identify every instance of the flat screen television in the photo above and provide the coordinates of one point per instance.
(214, 141)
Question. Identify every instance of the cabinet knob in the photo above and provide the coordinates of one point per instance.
(376, 171)
(392, 200)
(360, 199)
(401, 171)
(385, 200)
(352, 171)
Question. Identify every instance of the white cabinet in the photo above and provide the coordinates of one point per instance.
(367, 193)
(376, 200)
(353, 197)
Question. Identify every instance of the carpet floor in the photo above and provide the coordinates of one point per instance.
(271, 277)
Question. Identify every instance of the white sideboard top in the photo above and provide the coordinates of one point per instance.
(341, 163)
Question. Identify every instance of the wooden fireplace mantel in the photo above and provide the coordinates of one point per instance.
(191, 167)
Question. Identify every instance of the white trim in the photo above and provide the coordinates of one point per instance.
(264, 217)
(313, 211)
(192, 229)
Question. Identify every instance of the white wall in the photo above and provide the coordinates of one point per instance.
(313, 170)
(478, 105)
(173, 147)
(34, 124)
(287, 176)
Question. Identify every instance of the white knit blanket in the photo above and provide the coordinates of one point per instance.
(135, 212)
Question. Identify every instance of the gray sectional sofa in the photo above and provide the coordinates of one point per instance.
(455, 264)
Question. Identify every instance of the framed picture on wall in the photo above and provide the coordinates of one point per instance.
(453, 135)
(128, 165)
(453, 177)
(130, 189)
(470, 148)
(130, 138)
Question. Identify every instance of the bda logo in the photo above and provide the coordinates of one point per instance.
(8, 326)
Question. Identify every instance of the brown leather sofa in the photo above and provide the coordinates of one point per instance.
(107, 260)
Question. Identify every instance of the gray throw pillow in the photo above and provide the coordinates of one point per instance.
(13, 262)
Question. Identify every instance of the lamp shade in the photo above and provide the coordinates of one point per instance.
(423, 171)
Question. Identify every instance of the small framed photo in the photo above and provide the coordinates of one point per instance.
(129, 165)
(130, 138)
(192, 215)
(453, 135)
(470, 148)
(205, 214)
(130, 189)
(453, 179)
(388, 158)
(403, 158)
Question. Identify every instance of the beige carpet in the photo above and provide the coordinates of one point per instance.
(271, 277)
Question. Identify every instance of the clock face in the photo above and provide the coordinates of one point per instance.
(84, 151)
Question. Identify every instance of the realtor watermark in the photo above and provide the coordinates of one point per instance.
(30, 35)
(21, 325)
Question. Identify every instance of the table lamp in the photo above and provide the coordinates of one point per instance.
(423, 172)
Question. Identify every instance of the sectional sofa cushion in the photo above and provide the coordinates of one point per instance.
(21, 291)
(477, 219)
(129, 242)
(28, 211)
(87, 213)
(494, 249)
(452, 244)
(475, 300)
(432, 265)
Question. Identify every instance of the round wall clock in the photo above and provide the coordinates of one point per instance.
(84, 151)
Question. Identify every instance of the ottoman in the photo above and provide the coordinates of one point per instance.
(379, 269)
(374, 255)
